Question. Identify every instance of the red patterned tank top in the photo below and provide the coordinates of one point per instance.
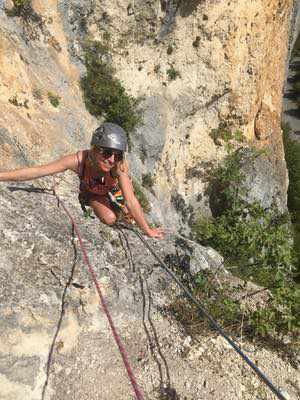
(91, 181)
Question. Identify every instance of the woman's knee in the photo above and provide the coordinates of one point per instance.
(108, 219)
(103, 211)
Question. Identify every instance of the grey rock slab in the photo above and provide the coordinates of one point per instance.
(149, 139)
(261, 182)
(23, 370)
(37, 257)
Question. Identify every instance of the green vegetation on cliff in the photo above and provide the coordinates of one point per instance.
(141, 196)
(23, 9)
(292, 157)
(257, 245)
(20, 6)
(104, 94)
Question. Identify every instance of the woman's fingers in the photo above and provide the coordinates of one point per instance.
(157, 233)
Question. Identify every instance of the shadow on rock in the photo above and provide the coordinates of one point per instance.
(294, 66)
(148, 324)
(167, 393)
(293, 113)
(186, 8)
(291, 95)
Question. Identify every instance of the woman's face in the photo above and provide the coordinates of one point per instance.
(107, 158)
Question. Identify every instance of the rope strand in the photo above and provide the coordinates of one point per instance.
(260, 374)
(118, 341)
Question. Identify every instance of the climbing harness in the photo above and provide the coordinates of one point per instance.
(214, 324)
(118, 202)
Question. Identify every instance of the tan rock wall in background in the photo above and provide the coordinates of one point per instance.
(230, 57)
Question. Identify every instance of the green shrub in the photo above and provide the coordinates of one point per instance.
(140, 195)
(258, 241)
(104, 94)
(278, 316)
(172, 73)
(281, 315)
(224, 133)
(21, 8)
(148, 181)
(54, 99)
(292, 157)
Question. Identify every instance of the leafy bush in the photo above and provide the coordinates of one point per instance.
(54, 99)
(103, 93)
(172, 73)
(148, 181)
(224, 134)
(281, 315)
(140, 195)
(258, 241)
(292, 157)
(21, 8)
(21, 3)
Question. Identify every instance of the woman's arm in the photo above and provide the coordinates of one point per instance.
(28, 173)
(135, 208)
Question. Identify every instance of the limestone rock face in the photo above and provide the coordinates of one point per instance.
(230, 58)
(35, 65)
(55, 341)
(197, 65)
(48, 300)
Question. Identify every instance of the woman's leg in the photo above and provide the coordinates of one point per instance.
(103, 209)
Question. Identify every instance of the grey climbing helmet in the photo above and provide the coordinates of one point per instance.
(111, 136)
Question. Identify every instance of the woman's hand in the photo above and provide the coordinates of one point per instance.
(135, 208)
(157, 233)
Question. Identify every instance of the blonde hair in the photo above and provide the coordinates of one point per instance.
(121, 167)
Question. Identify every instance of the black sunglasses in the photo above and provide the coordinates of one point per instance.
(109, 152)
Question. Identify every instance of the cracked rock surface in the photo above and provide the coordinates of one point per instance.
(49, 306)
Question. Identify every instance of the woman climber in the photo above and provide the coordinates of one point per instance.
(103, 174)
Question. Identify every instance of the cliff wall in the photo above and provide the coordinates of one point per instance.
(228, 60)
(198, 67)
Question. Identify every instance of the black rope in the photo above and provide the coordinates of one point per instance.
(261, 375)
